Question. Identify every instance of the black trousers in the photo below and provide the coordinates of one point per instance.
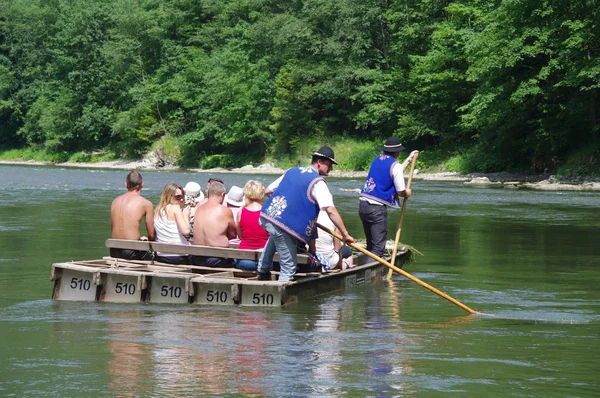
(175, 260)
(131, 254)
(375, 224)
(215, 262)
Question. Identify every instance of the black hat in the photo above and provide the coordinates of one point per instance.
(393, 145)
(327, 153)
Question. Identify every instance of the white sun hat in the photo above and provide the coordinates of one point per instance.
(235, 196)
(194, 190)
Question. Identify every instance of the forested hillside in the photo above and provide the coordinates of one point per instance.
(498, 85)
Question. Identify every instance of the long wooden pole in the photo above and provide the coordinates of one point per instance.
(404, 203)
(400, 271)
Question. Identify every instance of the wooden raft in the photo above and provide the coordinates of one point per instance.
(116, 280)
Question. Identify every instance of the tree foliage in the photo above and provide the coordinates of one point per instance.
(514, 83)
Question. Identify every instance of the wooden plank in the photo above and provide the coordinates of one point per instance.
(224, 274)
(118, 263)
(251, 281)
(130, 266)
(114, 261)
(78, 267)
(142, 245)
(158, 267)
(207, 251)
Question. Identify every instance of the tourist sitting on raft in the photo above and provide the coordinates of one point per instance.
(234, 200)
(216, 228)
(252, 235)
(193, 196)
(172, 224)
(126, 214)
(338, 255)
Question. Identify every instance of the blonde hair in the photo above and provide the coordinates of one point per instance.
(169, 191)
(254, 191)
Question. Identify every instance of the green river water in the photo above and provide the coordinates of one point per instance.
(530, 258)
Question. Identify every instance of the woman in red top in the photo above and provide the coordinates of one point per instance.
(252, 235)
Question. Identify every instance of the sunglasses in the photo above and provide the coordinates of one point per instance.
(215, 180)
(178, 197)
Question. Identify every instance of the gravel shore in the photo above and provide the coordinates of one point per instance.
(507, 180)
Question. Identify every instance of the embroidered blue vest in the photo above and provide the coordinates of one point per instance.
(379, 185)
(292, 207)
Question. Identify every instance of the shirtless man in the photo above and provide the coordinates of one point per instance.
(215, 226)
(126, 214)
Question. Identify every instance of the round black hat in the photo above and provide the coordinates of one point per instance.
(393, 144)
(326, 152)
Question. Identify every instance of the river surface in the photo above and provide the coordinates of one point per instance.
(529, 258)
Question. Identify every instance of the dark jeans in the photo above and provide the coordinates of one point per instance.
(215, 262)
(131, 254)
(175, 260)
(375, 224)
(345, 252)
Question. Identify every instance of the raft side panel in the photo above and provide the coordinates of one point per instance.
(121, 288)
(75, 286)
(216, 293)
(167, 290)
(262, 295)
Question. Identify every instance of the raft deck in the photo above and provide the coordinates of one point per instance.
(127, 281)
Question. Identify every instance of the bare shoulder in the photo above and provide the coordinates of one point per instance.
(223, 212)
(173, 209)
(118, 199)
(145, 201)
(226, 211)
(200, 209)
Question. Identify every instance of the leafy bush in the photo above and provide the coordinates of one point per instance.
(456, 164)
(471, 162)
(582, 163)
(12, 154)
(355, 155)
(37, 154)
(93, 157)
(168, 148)
(224, 160)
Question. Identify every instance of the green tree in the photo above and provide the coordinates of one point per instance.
(536, 69)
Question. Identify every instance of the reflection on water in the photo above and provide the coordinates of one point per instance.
(128, 366)
(183, 352)
(528, 258)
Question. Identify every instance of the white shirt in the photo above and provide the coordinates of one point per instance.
(235, 211)
(324, 243)
(320, 192)
(398, 176)
(168, 232)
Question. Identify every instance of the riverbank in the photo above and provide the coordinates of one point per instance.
(506, 180)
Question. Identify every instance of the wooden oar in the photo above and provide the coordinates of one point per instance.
(399, 231)
(400, 271)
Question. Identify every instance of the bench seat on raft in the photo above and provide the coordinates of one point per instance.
(194, 250)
